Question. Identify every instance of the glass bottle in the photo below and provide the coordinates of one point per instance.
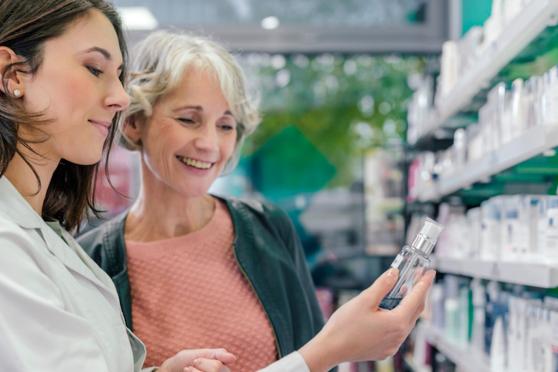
(412, 262)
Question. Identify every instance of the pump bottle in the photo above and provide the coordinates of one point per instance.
(412, 262)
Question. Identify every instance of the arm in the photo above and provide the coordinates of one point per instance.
(359, 330)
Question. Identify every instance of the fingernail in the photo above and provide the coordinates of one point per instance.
(197, 362)
(391, 273)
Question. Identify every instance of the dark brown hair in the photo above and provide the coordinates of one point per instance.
(24, 26)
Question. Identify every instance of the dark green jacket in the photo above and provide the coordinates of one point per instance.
(269, 254)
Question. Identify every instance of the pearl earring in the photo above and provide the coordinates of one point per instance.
(17, 93)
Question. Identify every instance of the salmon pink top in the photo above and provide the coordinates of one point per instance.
(189, 292)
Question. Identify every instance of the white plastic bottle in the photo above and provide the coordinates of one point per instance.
(412, 262)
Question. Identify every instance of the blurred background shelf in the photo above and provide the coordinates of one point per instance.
(513, 40)
(466, 360)
(530, 274)
(533, 143)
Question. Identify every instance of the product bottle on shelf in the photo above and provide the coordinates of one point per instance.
(412, 262)
(479, 303)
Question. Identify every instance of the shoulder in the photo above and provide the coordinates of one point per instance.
(253, 217)
(25, 264)
(254, 209)
(103, 233)
(12, 235)
(105, 244)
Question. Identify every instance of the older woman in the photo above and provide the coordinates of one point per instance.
(202, 270)
(193, 269)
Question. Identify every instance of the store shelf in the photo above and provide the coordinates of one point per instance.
(535, 142)
(532, 274)
(466, 360)
(520, 32)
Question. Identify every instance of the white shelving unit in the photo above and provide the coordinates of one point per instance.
(519, 33)
(466, 359)
(532, 274)
(534, 142)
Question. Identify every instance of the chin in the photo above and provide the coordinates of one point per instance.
(86, 158)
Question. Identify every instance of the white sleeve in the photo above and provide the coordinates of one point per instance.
(36, 332)
(290, 363)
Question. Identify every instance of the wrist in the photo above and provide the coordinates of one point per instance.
(318, 354)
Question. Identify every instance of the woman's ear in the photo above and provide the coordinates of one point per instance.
(11, 83)
(132, 129)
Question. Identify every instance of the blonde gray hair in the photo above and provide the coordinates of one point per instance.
(158, 65)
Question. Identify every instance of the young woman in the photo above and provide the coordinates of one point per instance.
(194, 269)
(62, 65)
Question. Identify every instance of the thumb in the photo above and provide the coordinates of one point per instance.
(374, 294)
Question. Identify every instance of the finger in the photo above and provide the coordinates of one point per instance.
(374, 294)
(224, 356)
(209, 365)
(220, 354)
(413, 302)
(191, 369)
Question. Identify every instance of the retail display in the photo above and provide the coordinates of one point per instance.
(509, 114)
(507, 331)
(483, 134)
(517, 228)
(470, 64)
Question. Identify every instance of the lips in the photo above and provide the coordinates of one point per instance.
(102, 125)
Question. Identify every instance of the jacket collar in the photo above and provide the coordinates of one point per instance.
(19, 210)
(58, 241)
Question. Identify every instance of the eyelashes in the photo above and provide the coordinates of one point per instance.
(191, 122)
(94, 71)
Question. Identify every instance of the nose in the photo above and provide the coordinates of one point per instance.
(208, 138)
(117, 98)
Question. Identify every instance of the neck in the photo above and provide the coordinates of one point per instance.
(27, 183)
(160, 212)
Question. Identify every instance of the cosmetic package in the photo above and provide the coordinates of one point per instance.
(478, 326)
(491, 230)
(551, 230)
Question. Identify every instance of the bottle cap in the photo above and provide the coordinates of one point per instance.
(431, 229)
(428, 236)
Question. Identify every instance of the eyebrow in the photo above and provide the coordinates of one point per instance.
(198, 108)
(104, 52)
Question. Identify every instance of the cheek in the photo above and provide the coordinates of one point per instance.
(60, 96)
(229, 147)
(159, 143)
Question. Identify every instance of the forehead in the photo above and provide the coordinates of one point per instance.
(92, 30)
(199, 84)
